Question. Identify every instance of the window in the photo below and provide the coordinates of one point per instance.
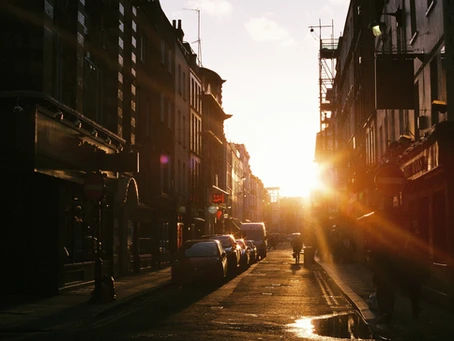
(434, 89)
(180, 80)
(169, 115)
(147, 118)
(184, 131)
(162, 107)
(163, 52)
(169, 60)
(178, 179)
(179, 126)
(142, 48)
(184, 85)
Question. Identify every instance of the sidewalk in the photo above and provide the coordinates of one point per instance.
(435, 321)
(59, 311)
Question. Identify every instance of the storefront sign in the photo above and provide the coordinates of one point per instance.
(422, 162)
(218, 198)
(389, 179)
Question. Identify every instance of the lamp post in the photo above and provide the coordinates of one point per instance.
(244, 196)
(94, 191)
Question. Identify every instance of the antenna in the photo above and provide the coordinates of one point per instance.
(199, 40)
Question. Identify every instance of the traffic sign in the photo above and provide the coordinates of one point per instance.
(389, 179)
(94, 186)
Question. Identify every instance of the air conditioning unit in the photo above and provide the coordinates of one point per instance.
(423, 122)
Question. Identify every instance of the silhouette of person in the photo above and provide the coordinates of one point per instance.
(384, 279)
(297, 245)
(415, 269)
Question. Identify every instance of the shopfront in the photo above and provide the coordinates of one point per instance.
(429, 200)
(52, 243)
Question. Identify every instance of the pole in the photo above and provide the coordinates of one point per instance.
(98, 290)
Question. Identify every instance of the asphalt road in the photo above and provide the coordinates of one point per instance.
(274, 299)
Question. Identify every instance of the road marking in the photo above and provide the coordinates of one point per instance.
(326, 290)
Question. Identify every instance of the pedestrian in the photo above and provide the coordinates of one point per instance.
(272, 243)
(297, 245)
(414, 269)
(383, 266)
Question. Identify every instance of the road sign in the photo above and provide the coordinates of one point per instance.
(94, 186)
(389, 179)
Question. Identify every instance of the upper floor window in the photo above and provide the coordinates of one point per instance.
(163, 52)
(143, 48)
(162, 108)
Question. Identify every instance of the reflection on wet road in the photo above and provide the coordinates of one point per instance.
(347, 325)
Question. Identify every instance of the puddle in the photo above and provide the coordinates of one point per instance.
(348, 325)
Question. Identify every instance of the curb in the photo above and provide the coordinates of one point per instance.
(367, 314)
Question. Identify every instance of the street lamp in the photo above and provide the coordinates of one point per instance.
(378, 27)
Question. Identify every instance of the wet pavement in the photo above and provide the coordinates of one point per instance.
(435, 321)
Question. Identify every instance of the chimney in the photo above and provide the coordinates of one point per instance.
(179, 30)
(174, 23)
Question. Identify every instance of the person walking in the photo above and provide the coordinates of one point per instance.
(415, 270)
(272, 242)
(384, 277)
(297, 245)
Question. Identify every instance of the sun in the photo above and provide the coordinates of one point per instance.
(301, 183)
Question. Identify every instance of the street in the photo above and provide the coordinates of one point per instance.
(274, 299)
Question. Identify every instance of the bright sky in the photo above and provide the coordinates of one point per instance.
(269, 59)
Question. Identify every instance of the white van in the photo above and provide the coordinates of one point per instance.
(257, 233)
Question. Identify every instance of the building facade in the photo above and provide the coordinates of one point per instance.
(392, 91)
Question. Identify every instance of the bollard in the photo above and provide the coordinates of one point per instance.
(308, 255)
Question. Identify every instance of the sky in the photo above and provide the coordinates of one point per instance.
(268, 57)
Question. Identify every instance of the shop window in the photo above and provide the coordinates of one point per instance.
(80, 244)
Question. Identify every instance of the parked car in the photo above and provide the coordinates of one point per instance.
(232, 249)
(200, 261)
(245, 259)
(252, 250)
(256, 231)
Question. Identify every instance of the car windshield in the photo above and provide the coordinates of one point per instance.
(254, 234)
(241, 243)
(201, 250)
(226, 241)
(249, 243)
